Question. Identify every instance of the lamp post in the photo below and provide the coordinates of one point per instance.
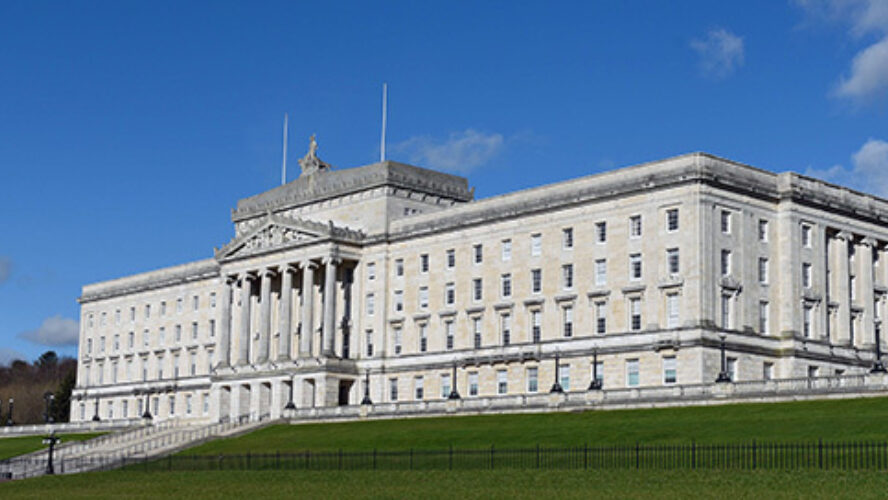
(366, 400)
(595, 384)
(96, 412)
(48, 398)
(52, 440)
(723, 375)
(878, 367)
(147, 414)
(9, 420)
(454, 394)
(290, 404)
(556, 387)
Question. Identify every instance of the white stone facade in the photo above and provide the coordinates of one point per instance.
(395, 274)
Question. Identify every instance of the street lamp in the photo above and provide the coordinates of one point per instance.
(147, 414)
(878, 367)
(290, 404)
(48, 398)
(366, 400)
(96, 412)
(9, 420)
(52, 440)
(454, 394)
(723, 375)
(556, 387)
(595, 384)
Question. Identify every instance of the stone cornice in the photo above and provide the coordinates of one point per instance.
(161, 278)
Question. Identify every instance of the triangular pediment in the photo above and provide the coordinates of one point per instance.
(275, 232)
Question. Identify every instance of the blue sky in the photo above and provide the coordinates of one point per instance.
(128, 130)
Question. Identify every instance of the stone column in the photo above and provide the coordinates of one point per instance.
(223, 351)
(842, 278)
(264, 315)
(329, 305)
(284, 317)
(308, 268)
(243, 354)
(865, 271)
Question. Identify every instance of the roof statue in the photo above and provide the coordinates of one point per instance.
(310, 163)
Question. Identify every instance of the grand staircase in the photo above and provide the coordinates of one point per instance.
(136, 445)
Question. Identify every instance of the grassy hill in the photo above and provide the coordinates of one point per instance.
(831, 420)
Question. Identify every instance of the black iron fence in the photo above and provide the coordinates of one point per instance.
(752, 455)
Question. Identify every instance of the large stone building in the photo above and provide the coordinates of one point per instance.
(395, 275)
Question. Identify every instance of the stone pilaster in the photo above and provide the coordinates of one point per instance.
(223, 351)
(867, 297)
(329, 305)
(284, 318)
(243, 355)
(264, 315)
(843, 291)
(307, 328)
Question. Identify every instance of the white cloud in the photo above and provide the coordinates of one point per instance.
(867, 79)
(8, 355)
(869, 74)
(721, 53)
(55, 331)
(869, 172)
(460, 152)
(5, 269)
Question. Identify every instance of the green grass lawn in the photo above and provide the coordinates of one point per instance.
(830, 420)
(14, 446)
(457, 484)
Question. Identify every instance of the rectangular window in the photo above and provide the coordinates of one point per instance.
(163, 308)
(147, 311)
(768, 371)
(763, 230)
(726, 222)
(502, 382)
(194, 331)
(449, 334)
(635, 266)
(424, 263)
(672, 311)
(672, 220)
(370, 304)
(763, 270)
(423, 337)
(567, 238)
(567, 321)
(114, 372)
(764, 320)
(567, 276)
(635, 226)
(600, 272)
(506, 328)
(506, 281)
(178, 333)
(478, 252)
(726, 311)
(473, 383)
(806, 235)
(536, 280)
(506, 250)
(806, 275)
(161, 336)
(371, 271)
(89, 346)
(396, 333)
(206, 403)
(179, 305)
(532, 379)
(477, 289)
(398, 300)
(451, 258)
(564, 375)
(806, 321)
(445, 386)
(399, 267)
(369, 336)
(536, 325)
(418, 389)
(600, 317)
(146, 338)
(117, 317)
(393, 389)
(599, 373)
(213, 299)
(600, 232)
(193, 364)
(672, 261)
(732, 368)
(536, 244)
(476, 332)
(423, 297)
(102, 343)
(176, 366)
(635, 314)
(132, 315)
(632, 372)
(116, 342)
(725, 262)
(195, 302)
(670, 370)
(449, 294)
(212, 328)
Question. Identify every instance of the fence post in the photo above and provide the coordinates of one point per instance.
(374, 458)
(753, 454)
(636, 455)
(169, 463)
(491, 457)
(820, 453)
(538, 456)
(693, 454)
(451, 457)
(248, 460)
(340, 458)
(411, 458)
